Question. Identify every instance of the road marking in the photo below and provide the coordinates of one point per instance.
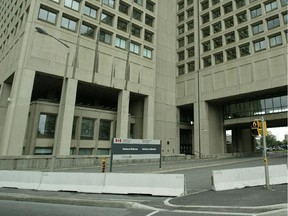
(153, 213)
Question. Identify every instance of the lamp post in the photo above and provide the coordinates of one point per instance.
(59, 120)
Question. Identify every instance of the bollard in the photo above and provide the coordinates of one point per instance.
(103, 165)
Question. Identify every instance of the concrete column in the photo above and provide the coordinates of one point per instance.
(148, 118)
(5, 91)
(122, 114)
(66, 125)
(17, 113)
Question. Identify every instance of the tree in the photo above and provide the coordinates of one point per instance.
(271, 140)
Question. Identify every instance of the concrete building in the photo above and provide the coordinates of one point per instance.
(182, 71)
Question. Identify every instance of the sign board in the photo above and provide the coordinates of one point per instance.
(123, 149)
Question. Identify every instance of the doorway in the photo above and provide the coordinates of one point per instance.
(186, 141)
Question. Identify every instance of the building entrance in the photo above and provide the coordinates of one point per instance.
(185, 141)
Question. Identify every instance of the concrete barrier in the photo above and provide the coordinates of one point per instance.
(248, 177)
(77, 182)
(20, 179)
(152, 184)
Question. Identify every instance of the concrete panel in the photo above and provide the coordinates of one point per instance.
(191, 87)
(219, 80)
(246, 73)
(232, 77)
(247, 177)
(261, 70)
(207, 83)
(180, 89)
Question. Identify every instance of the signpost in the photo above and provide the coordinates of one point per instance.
(123, 149)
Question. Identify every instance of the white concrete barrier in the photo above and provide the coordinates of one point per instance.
(20, 179)
(248, 177)
(152, 184)
(78, 182)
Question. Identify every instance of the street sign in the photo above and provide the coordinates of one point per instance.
(257, 128)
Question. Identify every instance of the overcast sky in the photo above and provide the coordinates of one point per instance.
(279, 132)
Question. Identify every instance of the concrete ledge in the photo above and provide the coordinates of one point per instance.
(247, 177)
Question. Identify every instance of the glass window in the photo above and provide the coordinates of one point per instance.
(245, 50)
(205, 18)
(87, 30)
(109, 3)
(104, 131)
(137, 15)
(87, 129)
(105, 37)
(181, 42)
(147, 52)
(85, 151)
(189, 2)
(90, 11)
(181, 56)
(68, 23)
(217, 27)
(191, 52)
(273, 23)
(107, 19)
(255, 12)
(47, 15)
(284, 2)
(205, 5)
(218, 58)
(229, 22)
(243, 33)
(228, 8)
(122, 25)
(190, 25)
(148, 36)
(206, 31)
(181, 29)
(285, 18)
(257, 28)
(123, 7)
(190, 38)
(73, 4)
(230, 38)
(139, 2)
(43, 151)
(206, 46)
(46, 126)
(284, 104)
(191, 66)
(216, 13)
(217, 42)
(271, 6)
(181, 70)
(181, 17)
(150, 6)
(136, 31)
(207, 61)
(275, 40)
(135, 48)
(259, 45)
(242, 17)
(240, 3)
(75, 120)
(231, 54)
(215, 2)
(120, 42)
(149, 20)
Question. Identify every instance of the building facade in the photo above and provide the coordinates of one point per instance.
(76, 73)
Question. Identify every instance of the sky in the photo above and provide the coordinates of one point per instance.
(279, 132)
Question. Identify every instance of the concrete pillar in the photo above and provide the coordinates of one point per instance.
(122, 114)
(65, 128)
(148, 118)
(17, 113)
(5, 91)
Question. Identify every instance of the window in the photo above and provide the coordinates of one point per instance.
(123, 8)
(139, 2)
(245, 50)
(229, 22)
(122, 25)
(181, 70)
(105, 37)
(241, 17)
(89, 11)
(181, 56)
(285, 18)
(106, 18)
(218, 58)
(150, 6)
(207, 61)
(190, 25)
(231, 54)
(191, 66)
(109, 3)
(120, 42)
(228, 8)
(47, 15)
(181, 29)
(104, 130)
(43, 151)
(181, 17)
(217, 42)
(271, 6)
(216, 13)
(135, 48)
(215, 2)
(206, 31)
(284, 2)
(256, 12)
(206, 46)
(257, 28)
(46, 125)
(68, 23)
(149, 20)
(205, 5)
(273, 23)
(74, 126)
(181, 5)
(73, 4)
(136, 31)
(259, 45)
(190, 38)
(230, 38)
(87, 129)
(243, 33)
(191, 52)
(148, 36)
(85, 151)
(181, 42)
(137, 15)
(275, 40)
(240, 3)
(147, 52)
(217, 27)
(189, 2)
(190, 13)
(205, 18)
(87, 30)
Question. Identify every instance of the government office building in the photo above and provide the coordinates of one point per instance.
(76, 73)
